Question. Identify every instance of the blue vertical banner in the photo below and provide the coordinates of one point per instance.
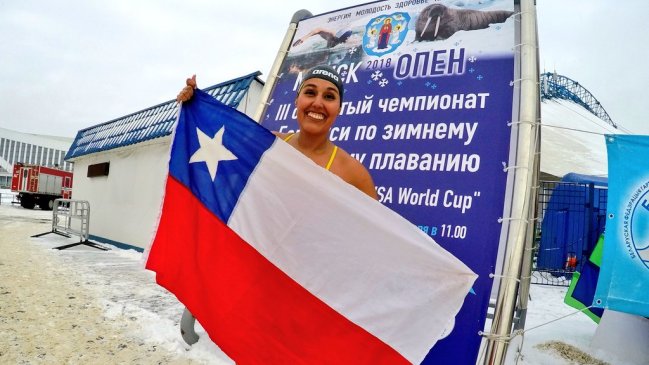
(623, 283)
(427, 109)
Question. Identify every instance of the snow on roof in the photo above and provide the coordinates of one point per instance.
(154, 122)
(572, 139)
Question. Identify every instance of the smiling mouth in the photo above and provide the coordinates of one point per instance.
(317, 116)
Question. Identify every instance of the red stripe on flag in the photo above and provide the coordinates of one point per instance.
(249, 307)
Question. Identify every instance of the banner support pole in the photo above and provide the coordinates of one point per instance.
(522, 196)
(279, 59)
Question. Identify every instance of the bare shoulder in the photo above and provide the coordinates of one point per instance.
(353, 171)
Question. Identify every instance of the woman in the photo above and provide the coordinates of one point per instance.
(318, 103)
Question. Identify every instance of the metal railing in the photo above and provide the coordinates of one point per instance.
(72, 218)
(7, 198)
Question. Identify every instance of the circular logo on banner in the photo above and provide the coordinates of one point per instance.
(385, 33)
(635, 226)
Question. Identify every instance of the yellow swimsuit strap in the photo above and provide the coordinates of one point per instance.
(331, 158)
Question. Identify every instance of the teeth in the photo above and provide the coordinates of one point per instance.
(316, 115)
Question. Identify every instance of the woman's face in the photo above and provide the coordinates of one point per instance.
(318, 105)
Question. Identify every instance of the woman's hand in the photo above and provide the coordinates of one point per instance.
(188, 91)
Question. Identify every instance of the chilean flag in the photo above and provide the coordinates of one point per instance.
(283, 262)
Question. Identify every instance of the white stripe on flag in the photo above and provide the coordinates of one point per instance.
(362, 259)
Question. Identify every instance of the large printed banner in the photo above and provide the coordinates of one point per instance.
(623, 283)
(427, 109)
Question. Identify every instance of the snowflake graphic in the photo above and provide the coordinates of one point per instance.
(343, 73)
(383, 82)
(369, 82)
(498, 27)
(377, 75)
(352, 50)
(457, 44)
(511, 83)
(433, 86)
(479, 77)
(427, 84)
(399, 82)
(472, 70)
(472, 59)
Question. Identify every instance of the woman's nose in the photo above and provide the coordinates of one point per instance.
(318, 101)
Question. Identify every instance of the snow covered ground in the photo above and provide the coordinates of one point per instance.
(84, 305)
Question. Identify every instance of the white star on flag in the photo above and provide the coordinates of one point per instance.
(212, 151)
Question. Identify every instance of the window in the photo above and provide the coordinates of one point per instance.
(99, 169)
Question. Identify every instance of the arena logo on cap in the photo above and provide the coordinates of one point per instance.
(635, 225)
(326, 73)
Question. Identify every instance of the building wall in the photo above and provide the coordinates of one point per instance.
(250, 102)
(30, 148)
(124, 205)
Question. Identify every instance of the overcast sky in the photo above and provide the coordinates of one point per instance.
(69, 64)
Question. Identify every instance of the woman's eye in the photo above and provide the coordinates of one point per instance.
(330, 97)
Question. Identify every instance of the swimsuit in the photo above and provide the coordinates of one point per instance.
(331, 158)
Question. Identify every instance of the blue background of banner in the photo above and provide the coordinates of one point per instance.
(473, 235)
(623, 283)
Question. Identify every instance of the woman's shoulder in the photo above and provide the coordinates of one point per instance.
(353, 171)
(347, 160)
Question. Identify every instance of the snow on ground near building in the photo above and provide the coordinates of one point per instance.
(83, 305)
(577, 145)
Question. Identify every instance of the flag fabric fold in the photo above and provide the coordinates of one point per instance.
(282, 262)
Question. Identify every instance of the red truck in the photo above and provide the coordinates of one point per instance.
(40, 185)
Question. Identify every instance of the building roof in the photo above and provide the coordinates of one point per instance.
(154, 122)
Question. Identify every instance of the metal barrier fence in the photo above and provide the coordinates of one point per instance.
(7, 198)
(571, 218)
(72, 218)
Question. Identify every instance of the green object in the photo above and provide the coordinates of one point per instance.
(596, 256)
(583, 284)
(575, 303)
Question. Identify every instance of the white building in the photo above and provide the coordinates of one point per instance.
(121, 165)
(30, 148)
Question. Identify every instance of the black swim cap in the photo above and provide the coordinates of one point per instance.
(326, 73)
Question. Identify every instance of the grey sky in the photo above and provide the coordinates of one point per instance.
(69, 64)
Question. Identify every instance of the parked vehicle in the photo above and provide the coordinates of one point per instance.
(40, 185)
